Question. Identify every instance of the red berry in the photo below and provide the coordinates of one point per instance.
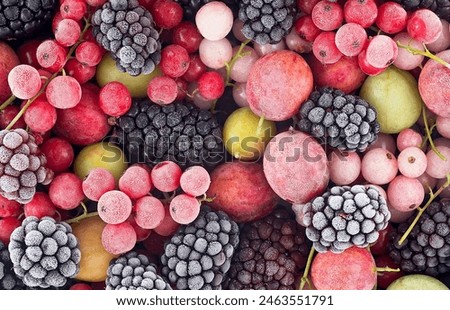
(195, 181)
(167, 13)
(424, 26)
(82, 73)
(327, 15)
(73, 9)
(80, 287)
(363, 12)
(9, 207)
(162, 90)
(40, 115)
(7, 226)
(89, 53)
(211, 85)
(391, 17)
(184, 209)
(114, 99)
(166, 176)
(351, 39)
(66, 191)
(27, 53)
(97, 3)
(59, 154)
(118, 238)
(182, 87)
(325, 49)
(40, 206)
(195, 70)
(63, 92)
(51, 55)
(381, 51)
(8, 114)
(67, 32)
(114, 207)
(155, 244)
(98, 182)
(150, 212)
(174, 60)
(141, 233)
(306, 6)
(305, 28)
(187, 35)
(366, 67)
(24, 81)
(168, 226)
(135, 182)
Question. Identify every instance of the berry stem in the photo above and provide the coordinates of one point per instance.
(206, 199)
(7, 102)
(428, 133)
(82, 216)
(43, 88)
(386, 269)
(305, 280)
(425, 53)
(433, 196)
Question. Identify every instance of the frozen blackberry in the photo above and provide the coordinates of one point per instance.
(125, 29)
(22, 166)
(344, 217)
(134, 271)
(22, 18)
(44, 253)
(267, 21)
(342, 121)
(427, 248)
(199, 255)
(440, 7)
(271, 254)
(179, 132)
(8, 279)
(190, 7)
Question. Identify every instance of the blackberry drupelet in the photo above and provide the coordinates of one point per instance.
(199, 255)
(22, 18)
(190, 7)
(179, 132)
(440, 7)
(271, 254)
(8, 279)
(22, 166)
(427, 248)
(125, 29)
(133, 271)
(342, 121)
(44, 253)
(346, 216)
(267, 21)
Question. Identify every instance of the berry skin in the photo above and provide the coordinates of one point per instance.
(118, 238)
(162, 90)
(324, 48)
(149, 212)
(9, 207)
(381, 51)
(82, 73)
(405, 194)
(73, 9)
(7, 226)
(166, 176)
(141, 233)
(51, 55)
(214, 20)
(114, 99)
(187, 35)
(351, 39)
(167, 13)
(114, 207)
(184, 209)
(24, 81)
(40, 206)
(195, 181)
(379, 166)
(363, 12)
(63, 92)
(424, 26)
(211, 85)
(67, 32)
(66, 191)
(306, 29)
(168, 226)
(412, 162)
(89, 53)
(327, 16)
(80, 287)
(135, 182)
(391, 17)
(40, 115)
(59, 154)
(174, 60)
(8, 114)
(27, 53)
(98, 182)
(195, 70)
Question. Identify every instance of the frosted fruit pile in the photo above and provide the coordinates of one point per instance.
(198, 144)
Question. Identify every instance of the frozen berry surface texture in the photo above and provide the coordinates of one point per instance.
(224, 145)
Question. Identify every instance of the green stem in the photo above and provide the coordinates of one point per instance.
(425, 53)
(387, 269)
(422, 210)
(7, 102)
(428, 133)
(83, 216)
(304, 278)
(44, 87)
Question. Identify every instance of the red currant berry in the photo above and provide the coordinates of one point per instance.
(67, 32)
(81, 72)
(63, 92)
(73, 9)
(8, 114)
(162, 90)
(27, 53)
(305, 28)
(195, 70)
(51, 55)
(89, 53)
(114, 99)
(40, 115)
(187, 35)
(40, 206)
(174, 61)
(211, 85)
(59, 154)
(167, 13)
